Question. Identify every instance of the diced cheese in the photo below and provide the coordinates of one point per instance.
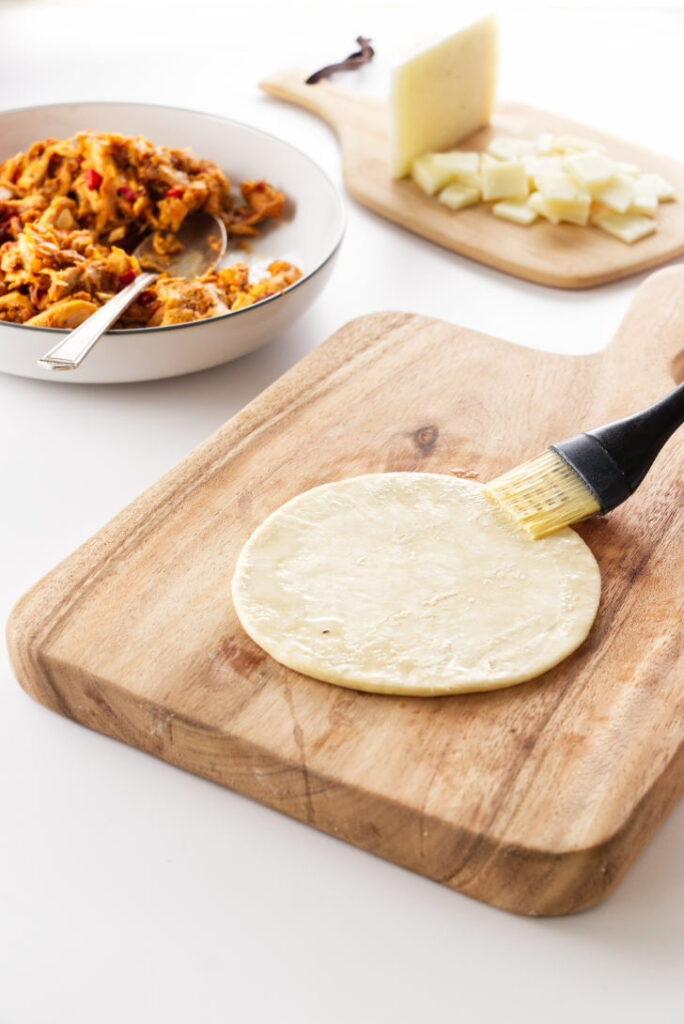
(538, 165)
(457, 196)
(564, 198)
(428, 175)
(517, 210)
(617, 194)
(504, 147)
(645, 198)
(560, 178)
(434, 171)
(571, 212)
(663, 189)
(443, 94)
(537, 204)
(545, 144)
(504, 180)
(574, 144)
(625, 168)
(628, 227)
(462, 167)
(590, 169)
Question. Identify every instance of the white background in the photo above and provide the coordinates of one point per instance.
(130, 891)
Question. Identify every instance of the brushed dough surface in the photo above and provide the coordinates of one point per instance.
(412, 583)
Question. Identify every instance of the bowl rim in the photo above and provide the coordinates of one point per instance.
(223, 120)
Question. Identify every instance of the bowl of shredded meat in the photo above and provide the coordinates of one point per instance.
(82, 184)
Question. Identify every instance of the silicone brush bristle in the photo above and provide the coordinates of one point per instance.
(544, 495)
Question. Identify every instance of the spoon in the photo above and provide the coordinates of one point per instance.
(204, 241)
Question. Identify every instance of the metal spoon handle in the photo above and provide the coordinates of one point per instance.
(70, 352)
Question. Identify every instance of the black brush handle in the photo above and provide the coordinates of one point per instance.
(613, 460)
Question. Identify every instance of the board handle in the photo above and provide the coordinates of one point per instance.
(340, 107)
(649, 344)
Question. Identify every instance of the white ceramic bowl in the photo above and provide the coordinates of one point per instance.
(309, 236)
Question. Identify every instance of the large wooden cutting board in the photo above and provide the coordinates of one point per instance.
(535, 798)
(562, 255)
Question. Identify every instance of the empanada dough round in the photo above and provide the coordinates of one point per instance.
(412, 583)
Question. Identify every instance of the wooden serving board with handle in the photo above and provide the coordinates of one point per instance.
(536, 798)
(562, 255)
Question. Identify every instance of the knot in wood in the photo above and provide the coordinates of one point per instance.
(426, 438)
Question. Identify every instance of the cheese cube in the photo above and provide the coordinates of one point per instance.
(517, 210)
(645, 198)
(457, 196)
(428, 175)
(590, 169)
(663, 189)
(617, 194)
(538, 165)
(504, 180)
(544, 144)
(537, 204)
(462, 167)
(504, 147)
(564, 198)
(443, 94)
(628, 227)
(625, 168)
(574, 144)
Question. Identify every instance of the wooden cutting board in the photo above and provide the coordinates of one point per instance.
(535, 798)
(562, 255)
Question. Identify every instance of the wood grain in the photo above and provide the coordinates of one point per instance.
(564, 255)
(536, 798)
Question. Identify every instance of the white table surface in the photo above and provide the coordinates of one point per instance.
(130, 891)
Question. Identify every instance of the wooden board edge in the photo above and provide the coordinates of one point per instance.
(523, 881)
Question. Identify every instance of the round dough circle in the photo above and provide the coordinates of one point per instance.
(412, 583)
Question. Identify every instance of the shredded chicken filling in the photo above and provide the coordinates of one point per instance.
(72, 210)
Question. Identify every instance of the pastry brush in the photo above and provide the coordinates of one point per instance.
(588, 474)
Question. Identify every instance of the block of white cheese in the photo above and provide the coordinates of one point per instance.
(443, 94)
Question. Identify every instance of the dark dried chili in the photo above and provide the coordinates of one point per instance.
(354, 60)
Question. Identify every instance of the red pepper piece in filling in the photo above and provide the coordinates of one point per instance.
(146, 297)
(174, 193)
(127, 193)
(92, 178)
(127, 277)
